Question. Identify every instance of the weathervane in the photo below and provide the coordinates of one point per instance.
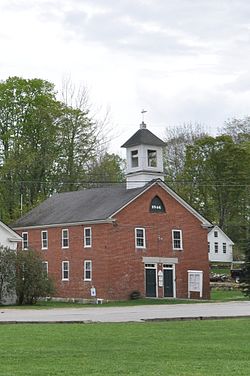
(143, 125)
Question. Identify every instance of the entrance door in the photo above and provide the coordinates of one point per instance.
(150, 274)
(168, 283)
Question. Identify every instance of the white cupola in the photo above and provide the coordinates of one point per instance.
(144, 158)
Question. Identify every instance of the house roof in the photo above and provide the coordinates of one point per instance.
(91, 205)
(143, 137)
(217, 228)
(86, 205)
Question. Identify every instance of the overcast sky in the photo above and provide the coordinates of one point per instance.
(181, 60)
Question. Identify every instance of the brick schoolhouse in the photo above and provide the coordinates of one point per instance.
(115, 240)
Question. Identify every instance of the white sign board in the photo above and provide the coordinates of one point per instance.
(195, 281)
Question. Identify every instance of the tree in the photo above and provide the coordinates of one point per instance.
(32, 280)
(217, 175)
(7, 273)
(177, 140)
(238, 129)
(245, 281)
(107, 169)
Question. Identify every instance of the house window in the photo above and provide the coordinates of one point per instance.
(177, 239)
(134, 158)
(45, 267)
(65, 238)
(65, 270)
(140, 241)
(44, 239)
(208, 247)
(87, 237)
(224, 247)
(216, 234)
(25, 242)
(216, 247)
(157, 206)
(152, 159)
(87, 273)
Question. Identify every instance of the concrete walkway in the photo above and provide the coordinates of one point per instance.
(128, 314)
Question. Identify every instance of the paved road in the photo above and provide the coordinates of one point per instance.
(128, 314)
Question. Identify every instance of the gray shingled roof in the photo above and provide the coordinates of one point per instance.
(143, 137)
(79, 206)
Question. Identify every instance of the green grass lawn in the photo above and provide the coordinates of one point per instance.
(183, 348)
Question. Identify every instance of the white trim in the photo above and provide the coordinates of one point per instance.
(94, 222)
(87, 237)
(173, 239)
(65, 229)
(47, 239)
(14, 237)
(143, 238)
(63, 270)
(160, 260)
(204, 221)
(84, 270)
(27, 241)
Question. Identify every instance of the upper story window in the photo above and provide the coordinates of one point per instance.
(140, 238)
(216, 247)
(134, 158)
(25, 242)
(65, 270)
(44, 239)
(152, 158)
(65, 238)
(177, 239)
(87, 237)
(224, 247)
(208, 247)
(157, 205)
(216, 234)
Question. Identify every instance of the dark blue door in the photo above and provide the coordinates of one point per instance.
(151, 283)
(168, 283)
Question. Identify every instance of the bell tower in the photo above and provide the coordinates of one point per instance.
(144, 158)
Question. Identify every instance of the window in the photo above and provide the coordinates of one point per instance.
(208, 247)
(157, 206)
(134, 158)
(216, 247)
(65, 238)
(224, 247)
(44, 239)
(140, 238)
(152, 159)
(87, 237)
(65, 270)
(216, 234)
(177, 239)
(45, 267)
(25, 242)
(87, 274)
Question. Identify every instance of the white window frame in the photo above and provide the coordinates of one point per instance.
(87, 270)
(46, 269)
(65, 270)
(180, 248)
(25, 242)
(89, 237)
(152, 157)
(64, 238)
(216, 247)
(135, 158)
(143, 238)
(224, 248)
(44, 241)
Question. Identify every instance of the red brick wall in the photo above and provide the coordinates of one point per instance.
(117, 265)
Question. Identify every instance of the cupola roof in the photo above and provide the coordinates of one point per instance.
(143, 137)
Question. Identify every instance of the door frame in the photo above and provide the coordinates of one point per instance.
(170, 267)
(154, 267)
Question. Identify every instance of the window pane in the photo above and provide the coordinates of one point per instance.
(152, 160)
(134, 158)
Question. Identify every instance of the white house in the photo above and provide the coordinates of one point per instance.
(220, 246)
(8, 237)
